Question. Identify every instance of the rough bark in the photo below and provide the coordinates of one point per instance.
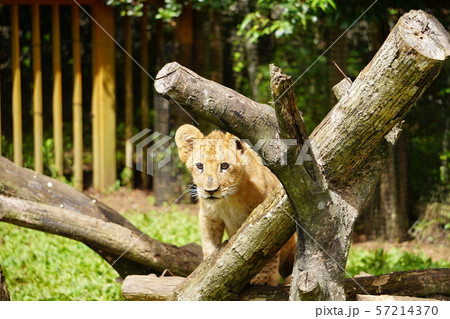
(413, 284)
(104, 235)
(150, 287)
(418, 283)
(54, 199)
(4, 294)
(349, 146)
(164, 183)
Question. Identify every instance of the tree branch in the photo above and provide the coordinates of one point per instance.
(33, 187)
(103, 235)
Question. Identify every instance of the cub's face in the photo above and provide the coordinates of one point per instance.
(216, 161)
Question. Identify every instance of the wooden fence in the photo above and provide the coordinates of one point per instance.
(103, 101)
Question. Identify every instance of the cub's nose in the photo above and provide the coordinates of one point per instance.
(211, 191)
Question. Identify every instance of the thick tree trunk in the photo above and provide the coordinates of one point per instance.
(48, 205)
(372, 218)
(164, 183)
(393, 214)
(332, 180)
(338, 54)
(4, 294)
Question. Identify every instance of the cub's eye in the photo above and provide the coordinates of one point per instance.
(224, 166)
(199, 166)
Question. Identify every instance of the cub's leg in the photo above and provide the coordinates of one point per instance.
(211, 230)
(269, 275)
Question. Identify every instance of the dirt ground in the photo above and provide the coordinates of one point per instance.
(138, 200)
(125, 200)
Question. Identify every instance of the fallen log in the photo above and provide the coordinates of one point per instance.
(32, 187)
(104, 235)
(391, 298)
(417, 283)
(151, 287)
(407, 284)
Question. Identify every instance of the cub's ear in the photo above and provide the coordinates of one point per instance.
(239, 146)
(184, 138)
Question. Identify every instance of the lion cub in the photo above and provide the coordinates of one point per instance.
(231, 181)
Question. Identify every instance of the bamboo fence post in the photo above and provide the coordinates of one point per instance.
(94, 109)
(103, 99)
(145, 121)
(128, 93)
(57, 92)
(77, 102)
(16, 89)
(37, 92)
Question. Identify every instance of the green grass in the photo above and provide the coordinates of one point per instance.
(41, 266)
(377, 262)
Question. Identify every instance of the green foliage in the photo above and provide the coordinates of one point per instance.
(379, 262)
(125, 176)
(128, 7)
(282, 18)
(7, 148)
(170, 11)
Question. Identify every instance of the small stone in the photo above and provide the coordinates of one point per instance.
(49, 184)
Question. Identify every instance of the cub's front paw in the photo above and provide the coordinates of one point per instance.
(265, 278)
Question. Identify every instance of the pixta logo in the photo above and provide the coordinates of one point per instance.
(154, 145)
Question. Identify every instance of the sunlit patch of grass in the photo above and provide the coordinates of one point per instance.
(40, 266)
(377, 262)
(173, 227)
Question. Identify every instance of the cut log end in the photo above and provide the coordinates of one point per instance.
(425, 34)
(166, 77)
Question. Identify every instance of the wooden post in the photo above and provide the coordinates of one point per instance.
(103, 99)
(37, 92)
(77, 102)
(16, 89)
(145, 121)
(128, 93)
(57, 92)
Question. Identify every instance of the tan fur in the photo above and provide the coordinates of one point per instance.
(227, 195)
